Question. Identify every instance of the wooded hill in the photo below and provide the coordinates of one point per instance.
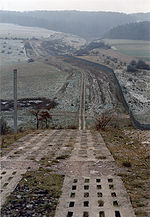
(89, 25)
(133, 31)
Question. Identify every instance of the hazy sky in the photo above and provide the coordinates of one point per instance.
(127, 6)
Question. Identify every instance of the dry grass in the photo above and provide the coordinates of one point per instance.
(10, 138)
(134, 157)
(37, 192)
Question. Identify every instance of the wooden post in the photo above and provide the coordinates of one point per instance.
(15, 102)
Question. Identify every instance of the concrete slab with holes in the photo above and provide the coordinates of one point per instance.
(91, 187)
(9, 179)
(19, 160)
(94, 197)
(90, 147)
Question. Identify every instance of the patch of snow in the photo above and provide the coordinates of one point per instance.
(114, 48)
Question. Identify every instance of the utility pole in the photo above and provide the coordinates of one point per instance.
(15, 102)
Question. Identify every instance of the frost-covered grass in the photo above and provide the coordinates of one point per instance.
(34, 80)
(12, 51)
(135, 48)
(11, 30)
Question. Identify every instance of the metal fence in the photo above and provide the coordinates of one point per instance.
(135, 122)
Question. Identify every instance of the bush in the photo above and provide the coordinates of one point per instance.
(131, 68)
(30, 60)
(142, 65)
(3, 126)
(102, 121)
(134, 66)
(133, 63)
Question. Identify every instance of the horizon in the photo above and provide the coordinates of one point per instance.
(125, 6)
(73, 10)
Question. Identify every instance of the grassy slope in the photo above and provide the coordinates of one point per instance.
(135, 48)
(34, 80)
(129, 153)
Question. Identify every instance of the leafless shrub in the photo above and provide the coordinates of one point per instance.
(4, 128)
(45, 116)
(103, 120)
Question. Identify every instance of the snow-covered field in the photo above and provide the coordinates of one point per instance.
(136, 88)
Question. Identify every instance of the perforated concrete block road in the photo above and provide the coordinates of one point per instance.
(91, 187)
(26, 151)
(8, 181)
(92, 195)
(90, 146)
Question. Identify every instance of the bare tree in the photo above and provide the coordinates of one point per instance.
(45, 116)
(36, 114)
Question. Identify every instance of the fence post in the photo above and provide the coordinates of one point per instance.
(15, 101)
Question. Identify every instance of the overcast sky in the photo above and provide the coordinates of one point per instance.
(127, 6)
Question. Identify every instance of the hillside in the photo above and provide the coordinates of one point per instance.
(142, 16)
(89, 25)
(133, 31)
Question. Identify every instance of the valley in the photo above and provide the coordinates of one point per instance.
(56, 77)
(78, 151)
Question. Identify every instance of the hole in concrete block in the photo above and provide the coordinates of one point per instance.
(84, 156)
(71, 204)
(86, 187)
(101, 157)
(111, 186)
(101, 214)
(75, 180)
(86, 203)
(99, 194)
(74, 187)
(100, 203)
(70, 214)
(72, 195)
(10, 178)
(86, 194)
(3, 173)
(115, 203)
(117, 214)
(110, 180)
(86, 180)
(99, 187)
(14, 173)
(98, 180)
(5, 184)
(0, 177)
(85, 214)
(113, 194)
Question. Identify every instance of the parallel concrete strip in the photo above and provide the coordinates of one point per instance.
(77, 209)
(34, 148)
(46, 146)
(6, 190)
(40, 142)
(91, 149)
(7, 186)
(70, 135)
(23, 146)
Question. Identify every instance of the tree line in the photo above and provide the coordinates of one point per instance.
(132, 31)
(89, 25)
